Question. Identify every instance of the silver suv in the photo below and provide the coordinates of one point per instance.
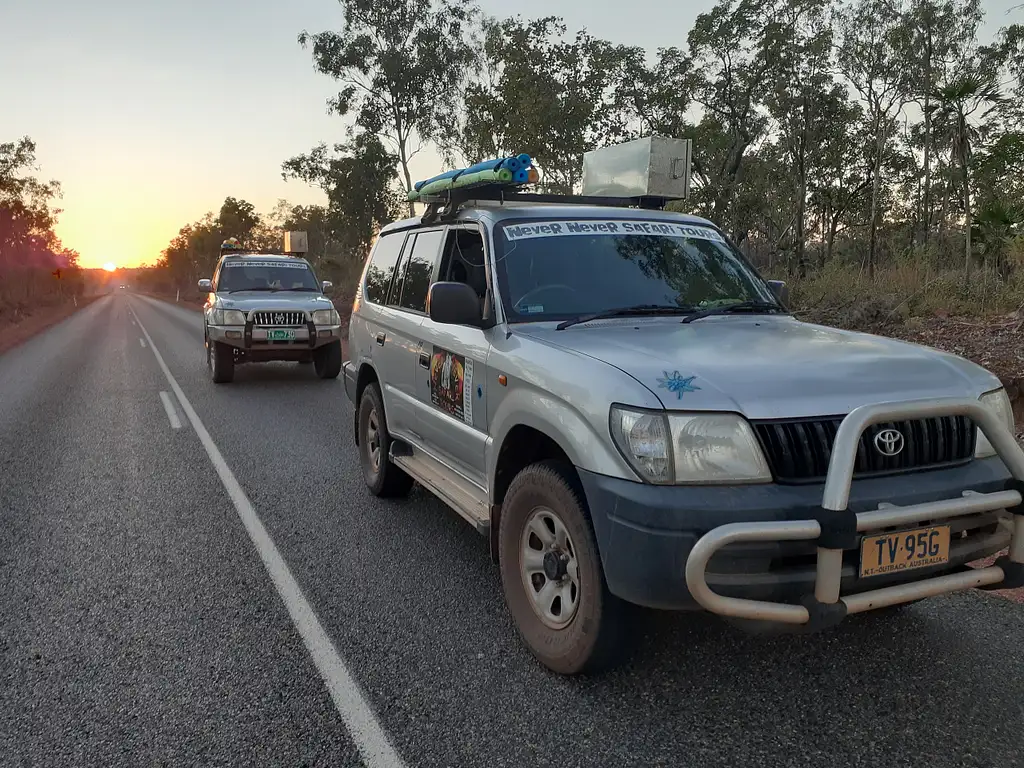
(269, 307)
(628, 412)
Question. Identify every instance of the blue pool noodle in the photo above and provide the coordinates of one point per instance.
(518, 164)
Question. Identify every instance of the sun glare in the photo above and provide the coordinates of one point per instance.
(110, 266)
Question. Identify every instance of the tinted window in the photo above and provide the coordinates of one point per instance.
(396, 291)
(555, 269)
(382, 266)
(420, 269)
(258, 275)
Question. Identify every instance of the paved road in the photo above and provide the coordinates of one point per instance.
(141, 623)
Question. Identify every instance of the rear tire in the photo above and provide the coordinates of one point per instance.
(548, 558)
(221, 358)
(382, 477)
(327, 360)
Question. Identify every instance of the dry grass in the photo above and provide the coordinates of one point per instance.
(908, 290)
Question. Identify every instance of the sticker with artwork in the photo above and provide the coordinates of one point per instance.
(451, 384)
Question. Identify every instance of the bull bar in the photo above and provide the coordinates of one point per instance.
(837, 528)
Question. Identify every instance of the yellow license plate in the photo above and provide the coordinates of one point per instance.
(904, 550)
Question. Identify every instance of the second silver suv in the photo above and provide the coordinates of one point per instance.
(269, 307)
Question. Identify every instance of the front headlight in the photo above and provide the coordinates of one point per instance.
(999, 403)
(689, 448)
(326, 317)
(226, 317)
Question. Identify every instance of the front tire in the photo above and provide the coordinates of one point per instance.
(221, 358)
(551, 574)
(327, 360)
(382, 477)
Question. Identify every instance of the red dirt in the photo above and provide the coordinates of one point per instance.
(15, 332)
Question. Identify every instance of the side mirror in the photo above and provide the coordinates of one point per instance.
(327, 285)
(206, 285)
(781, 291)
(453, 304)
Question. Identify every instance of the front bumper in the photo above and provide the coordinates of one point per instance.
(790, 553)
(256, 338)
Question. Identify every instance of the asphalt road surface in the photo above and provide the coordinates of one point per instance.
(193, 574)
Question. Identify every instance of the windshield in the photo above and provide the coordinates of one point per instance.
(266, 276)
(554, 269)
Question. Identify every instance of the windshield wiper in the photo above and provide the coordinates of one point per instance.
(259, 288)
(638, 309)
(739, 306)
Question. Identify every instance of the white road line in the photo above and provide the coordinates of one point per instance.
(142, 343)
(172, 415)
(367, 732)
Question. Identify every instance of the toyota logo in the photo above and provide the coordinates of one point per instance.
(279, 319)
(889, 442)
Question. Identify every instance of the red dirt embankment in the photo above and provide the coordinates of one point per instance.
(16, 328)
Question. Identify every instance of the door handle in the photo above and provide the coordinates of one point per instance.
(424, 360)
(380, 338)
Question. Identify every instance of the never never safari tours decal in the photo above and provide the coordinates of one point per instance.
(570, 227)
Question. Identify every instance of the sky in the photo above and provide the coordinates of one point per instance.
(150, 113)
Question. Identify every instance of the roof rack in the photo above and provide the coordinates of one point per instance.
(446, 205)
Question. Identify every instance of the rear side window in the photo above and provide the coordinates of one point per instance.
(420, 269)
(382, 267)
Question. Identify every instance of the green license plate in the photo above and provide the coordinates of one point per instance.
(279, 335)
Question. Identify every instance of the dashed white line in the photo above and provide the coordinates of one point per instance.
(172, 415)
(367, 732)
(142, 343)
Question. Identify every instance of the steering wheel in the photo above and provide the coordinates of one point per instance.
(548, 287)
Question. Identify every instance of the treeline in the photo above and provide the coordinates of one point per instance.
(828, 137)
(35, 268)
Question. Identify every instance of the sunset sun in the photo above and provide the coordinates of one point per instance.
(110, 266)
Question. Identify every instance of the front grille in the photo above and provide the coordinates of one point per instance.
(798, 451)
(278, 318)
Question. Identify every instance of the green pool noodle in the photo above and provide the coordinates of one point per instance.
(501, 176)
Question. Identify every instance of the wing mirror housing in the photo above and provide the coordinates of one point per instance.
(454, 304)
(206, 285)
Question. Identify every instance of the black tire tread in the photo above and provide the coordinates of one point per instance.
(611, 645)
(391, 480)
(327, 360)
(224, 370)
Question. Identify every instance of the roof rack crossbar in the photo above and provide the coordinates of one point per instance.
(445, 205)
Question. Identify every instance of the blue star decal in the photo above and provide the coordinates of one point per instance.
(676, 382)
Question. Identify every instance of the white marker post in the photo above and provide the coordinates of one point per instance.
(177, 296)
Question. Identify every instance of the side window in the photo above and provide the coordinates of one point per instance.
(420, 269)
(464, 260)
(382, 266)
(403, 267)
